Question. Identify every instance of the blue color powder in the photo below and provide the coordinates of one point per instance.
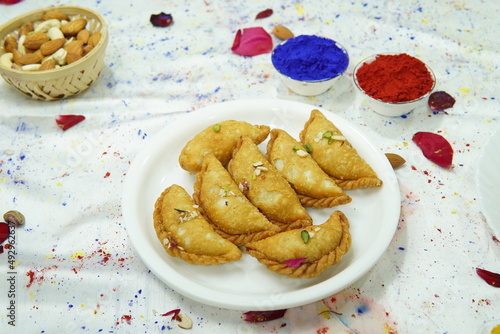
(310, 58)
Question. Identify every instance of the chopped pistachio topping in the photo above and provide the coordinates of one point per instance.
(308, 148)
(186, 215)
(243, 186)
(327, 134)
(226, 191)
(296, 148)
(216, 127)
(305, 236)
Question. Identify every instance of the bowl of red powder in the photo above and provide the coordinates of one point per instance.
(308, 64)
(394, 84)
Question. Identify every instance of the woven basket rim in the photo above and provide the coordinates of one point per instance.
(66, 69)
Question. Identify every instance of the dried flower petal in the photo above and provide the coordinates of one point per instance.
(265, 13)
(435, 148)
(439, 101)
(174, 313)
(294, 263)
(260, 316)
(252, 41)
(67, 121)
(4, 232)
(489, 277)
(161, 20)
(9, 2)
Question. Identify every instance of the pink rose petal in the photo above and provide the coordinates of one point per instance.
(252, 41)
(435, 148)
(489, 277)
(294, 263)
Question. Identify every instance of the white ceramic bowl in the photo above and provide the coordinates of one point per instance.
(309, 88)
(392, 109)
(314, 86)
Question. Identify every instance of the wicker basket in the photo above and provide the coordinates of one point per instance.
(67, 80)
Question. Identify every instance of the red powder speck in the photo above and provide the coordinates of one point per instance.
(323, 330)
(74, 270)
(413, 168)
(105, 259)
(31, 275)
(107, 175)
(127, 318)
(495, 239)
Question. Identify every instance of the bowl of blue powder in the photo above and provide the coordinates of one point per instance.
(308, 64)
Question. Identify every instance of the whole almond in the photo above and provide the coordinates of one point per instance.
(75, 46)
(83, 36)
(72, 57)
(94, 38)
(9, 44)
(34, 40)
(48, 64)
(54, 14)
(87, 48)
(50, 47)
(395, 160)
(72, 28)
(29, 58)
(282, 32)
(26, 28)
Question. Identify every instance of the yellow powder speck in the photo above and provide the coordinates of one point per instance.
(77, 254)
(496, 330)
(454, 212)
(300, 9)
(82, 305)
(425, 21)
(4, 179)
(388, 329)
(405, 144)
(58, 184)
(464, 90)
(455, 193)
(16, 263)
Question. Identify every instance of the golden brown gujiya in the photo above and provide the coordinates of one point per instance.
(219, 139)
(335, 155)
(184, 232)
(314, 187)
(226, 207)
(265, 187)
(304, 253)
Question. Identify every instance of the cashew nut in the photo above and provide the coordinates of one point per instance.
(31, 67)
(60, 56)
(6, 60)
(46, 25)
(20, 46)
(55, 33)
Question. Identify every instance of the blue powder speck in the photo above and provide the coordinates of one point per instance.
(362, 309)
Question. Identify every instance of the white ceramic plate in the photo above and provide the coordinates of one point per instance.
(488, 182)
(247, 284)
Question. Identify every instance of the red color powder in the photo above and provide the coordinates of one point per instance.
(127, 318)
(31, 275)
(395, 78)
